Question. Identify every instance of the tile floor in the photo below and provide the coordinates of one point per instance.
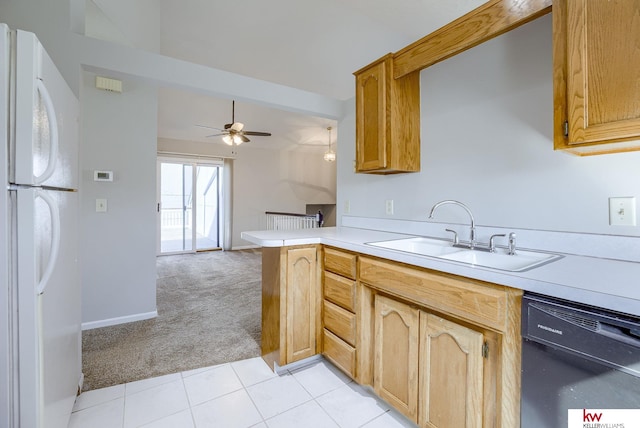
(242, 394)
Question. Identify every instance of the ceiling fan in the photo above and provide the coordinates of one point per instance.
(234, 133)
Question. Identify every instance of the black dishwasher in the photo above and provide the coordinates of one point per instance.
(576, 357)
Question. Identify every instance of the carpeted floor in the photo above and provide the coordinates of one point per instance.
(209, 307)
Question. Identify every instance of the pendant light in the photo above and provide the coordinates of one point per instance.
(329, 155)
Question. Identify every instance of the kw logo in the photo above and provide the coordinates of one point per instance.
(590, 417)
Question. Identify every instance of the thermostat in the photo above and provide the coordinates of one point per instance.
(102, 175)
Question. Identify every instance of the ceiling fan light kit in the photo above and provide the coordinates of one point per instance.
(329, 155)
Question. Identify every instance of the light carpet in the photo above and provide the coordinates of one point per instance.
(209, 310)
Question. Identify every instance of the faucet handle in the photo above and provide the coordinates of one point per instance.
(455, 236)
(512, 244)
(492, 245)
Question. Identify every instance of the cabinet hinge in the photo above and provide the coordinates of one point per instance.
(485, 350)
(565, 128)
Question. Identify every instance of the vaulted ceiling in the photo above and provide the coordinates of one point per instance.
(313, 46)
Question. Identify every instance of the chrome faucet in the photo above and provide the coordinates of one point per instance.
(472, 236)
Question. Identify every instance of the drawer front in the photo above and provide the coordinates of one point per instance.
(340, 290)
(475, 301)
(340, 262)
(339, 352)
(341, 322)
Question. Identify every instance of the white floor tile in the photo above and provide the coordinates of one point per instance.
(155, 403)
(235, 410)
(105, 415)
(200, 370)
(391, 419)
(351, 406)
(278, 395)
(215, 397)
(211, 384)
(307, 415)
(98, 396)
(181, 419)
(320, 378)
(252, 371)
(141, 385)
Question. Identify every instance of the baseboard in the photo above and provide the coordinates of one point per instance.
(80, 383)
(245, 247)
(280, 370)
(120, 320)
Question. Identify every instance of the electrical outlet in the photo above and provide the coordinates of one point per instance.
(389, 206)
(347, 207)
(622, 211)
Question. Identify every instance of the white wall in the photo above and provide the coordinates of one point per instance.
(486, 119)
(141, 19)
(118, 266)
(285, 181)
(268, 180)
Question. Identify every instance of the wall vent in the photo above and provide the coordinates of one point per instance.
(107, 84)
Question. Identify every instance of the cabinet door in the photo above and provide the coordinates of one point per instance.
(371, 114)
(451, 374)
(396, 355)
(602, 70)
(302, 306)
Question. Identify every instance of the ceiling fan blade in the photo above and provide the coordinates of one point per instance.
(243, 138)
(259, 134)
(227, 125)
(216, 135)
(208, 127)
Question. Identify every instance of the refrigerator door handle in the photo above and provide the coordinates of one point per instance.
(55, 239)
(53, 132)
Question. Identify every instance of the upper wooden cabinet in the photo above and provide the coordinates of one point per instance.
(387, 119)
(596, 74)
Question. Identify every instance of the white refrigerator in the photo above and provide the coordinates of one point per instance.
(40, 334)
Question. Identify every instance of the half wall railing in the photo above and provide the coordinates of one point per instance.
(291, 221)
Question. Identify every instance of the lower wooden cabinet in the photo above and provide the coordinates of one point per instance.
(443, 350)
(340, 339)
(395, 375)
(291, 294)
(339, 352)
(451, 374)
(447, 356)
(302, 297)
(446, 349)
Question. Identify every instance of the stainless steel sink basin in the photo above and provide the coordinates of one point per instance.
(419, 245)
(521, 261)
(431, 247)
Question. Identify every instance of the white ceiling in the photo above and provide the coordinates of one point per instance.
(309, 45)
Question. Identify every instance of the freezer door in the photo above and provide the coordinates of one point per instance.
(44, 138)
(49, 306)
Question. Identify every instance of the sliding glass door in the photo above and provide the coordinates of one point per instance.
(189, 208)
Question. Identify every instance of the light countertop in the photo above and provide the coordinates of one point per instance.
(606, 283)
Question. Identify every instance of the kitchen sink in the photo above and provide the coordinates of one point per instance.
(521, 261)
(419, 245)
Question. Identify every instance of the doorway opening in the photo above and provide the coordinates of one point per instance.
(189, 207)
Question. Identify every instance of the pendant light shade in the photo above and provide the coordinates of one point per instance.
(329, 155)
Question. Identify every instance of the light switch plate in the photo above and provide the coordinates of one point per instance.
(389, 206)
(101, 205)
(622, 211)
